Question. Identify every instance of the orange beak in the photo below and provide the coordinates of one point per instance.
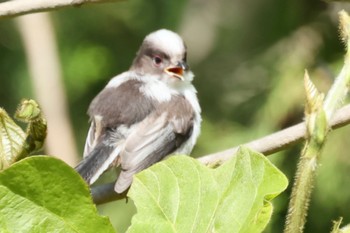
(177, 71)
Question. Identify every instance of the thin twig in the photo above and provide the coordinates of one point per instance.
(279, 140)
(267, 145)
(105, 193)
(21, 7)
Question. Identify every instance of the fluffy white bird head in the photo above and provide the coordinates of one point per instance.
(163, 55)
(167, 41)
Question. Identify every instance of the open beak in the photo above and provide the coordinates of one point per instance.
(177, 71)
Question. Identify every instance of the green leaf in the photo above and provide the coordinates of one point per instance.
(43, 194)
(11, 140)
(29, 112)
(182, 195)
(345, 229)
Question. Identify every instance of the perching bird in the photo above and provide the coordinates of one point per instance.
(144, 114)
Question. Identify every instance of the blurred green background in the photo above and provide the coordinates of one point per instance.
(248, 56)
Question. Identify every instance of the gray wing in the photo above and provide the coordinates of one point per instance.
(115, 106)
(113, 112)
(157, 136)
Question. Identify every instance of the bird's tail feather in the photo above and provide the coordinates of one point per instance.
(97, 162)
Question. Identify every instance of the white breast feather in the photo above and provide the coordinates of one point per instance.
(121, 78)
(159, 91)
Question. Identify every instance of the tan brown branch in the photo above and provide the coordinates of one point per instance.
(279, 140)
(19, 7)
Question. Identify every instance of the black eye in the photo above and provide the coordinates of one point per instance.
(157, 60)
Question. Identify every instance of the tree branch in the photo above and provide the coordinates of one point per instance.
(105, 193)
(266, 145)
(20, 7)
(280, 140)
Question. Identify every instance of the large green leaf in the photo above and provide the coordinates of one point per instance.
(182, 195)
(43, 194)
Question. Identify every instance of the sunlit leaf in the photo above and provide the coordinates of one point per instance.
(43, 194)
(337, 229)
(181, 195)
(11, 140)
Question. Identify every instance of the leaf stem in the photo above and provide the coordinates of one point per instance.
(318, 115)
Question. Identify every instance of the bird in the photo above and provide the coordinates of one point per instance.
(144, 114)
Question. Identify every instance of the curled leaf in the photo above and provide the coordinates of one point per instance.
(16, 144)
(12, 140)
(313, 105)
(30, 113)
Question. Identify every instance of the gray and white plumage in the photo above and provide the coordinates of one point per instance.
(144, 114)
